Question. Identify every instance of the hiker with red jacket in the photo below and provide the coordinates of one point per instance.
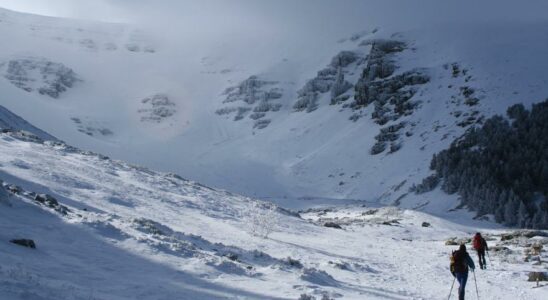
(460, 262)
(480, 245)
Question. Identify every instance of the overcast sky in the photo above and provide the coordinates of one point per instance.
(274, 18)
(285, 10)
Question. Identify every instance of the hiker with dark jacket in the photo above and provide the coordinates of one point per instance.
(460, 262)
(480, 245)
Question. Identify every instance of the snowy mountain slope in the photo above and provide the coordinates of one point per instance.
(11, 121)
(275, 151)
(117, 231)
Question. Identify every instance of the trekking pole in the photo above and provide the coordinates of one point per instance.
(476, 282)
(450, 291)
(490, 260)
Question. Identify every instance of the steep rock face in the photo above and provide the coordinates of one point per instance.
(157, 108)
(390, 96)
(39, 74)
(369, 78)
(256, 96)
(330, 79)
(380, 62)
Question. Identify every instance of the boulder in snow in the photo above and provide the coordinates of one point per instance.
(332, 225)
(24, 242)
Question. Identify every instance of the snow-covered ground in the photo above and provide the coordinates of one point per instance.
(133, 233)
(172, 103)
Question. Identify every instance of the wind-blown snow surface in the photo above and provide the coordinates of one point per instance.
(132, 233)
(320, 155)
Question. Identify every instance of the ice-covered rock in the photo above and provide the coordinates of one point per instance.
(158, 107)
(254, 95)
(39, 74)
(380, 61)
(390, 96)
(252, 90)
(330, 79)
(91, 127)
(343, 59)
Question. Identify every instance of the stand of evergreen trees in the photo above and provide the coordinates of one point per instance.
(502, 167)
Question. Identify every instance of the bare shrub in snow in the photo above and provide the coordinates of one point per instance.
(262, 218)
(306, 297)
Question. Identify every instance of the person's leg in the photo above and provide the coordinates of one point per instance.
(461, 278)
(479, 259)
(484, 262)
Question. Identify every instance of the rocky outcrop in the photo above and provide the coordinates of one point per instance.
(256, 97)
(40, 199)
(388, 135)
(24, 242)
(380, 62)
(91, 127)
(330, 79)
(252, 90)
(40, 75)
(157, 108)
(391, 97)
(390, 94)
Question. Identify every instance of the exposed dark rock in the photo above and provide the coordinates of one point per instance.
(24, 242)
(46, 199)
(343, 59)
(149, 226)
(294, 262)
(380, 61)
(260, 124)
(329, 79)
(158, 108)
(14, 189)
(332, 225)
(49, 201)
(232, 256)
(252, 90)
(307, 101)
(377, 148)
(46, 77)
(426, 224)
(388, 134)
(506, 237)
(255, 95)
